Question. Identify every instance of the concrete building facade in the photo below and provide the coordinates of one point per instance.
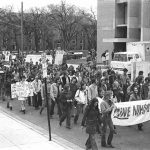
(121, 21)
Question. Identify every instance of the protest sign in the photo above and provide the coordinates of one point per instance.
(37, 58)
(44, 65)
(59, 57)
(7, 55)
(22, 89)
(131, 113)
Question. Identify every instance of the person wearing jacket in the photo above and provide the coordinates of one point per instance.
(81, 99)
(91, 119)
(146, 89)
(23, 98)
(135, 96)
(73, 89)
(92, 90)
(66, 102)
(55, 91)
(37, 84)
(43, 95)
(106, 108)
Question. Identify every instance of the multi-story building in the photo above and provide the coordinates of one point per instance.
(121, 21)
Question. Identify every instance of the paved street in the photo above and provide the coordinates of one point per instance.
(15, 135)
(128, 138)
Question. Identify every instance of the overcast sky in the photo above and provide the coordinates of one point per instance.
(85, 4)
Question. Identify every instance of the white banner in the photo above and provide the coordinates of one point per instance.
(131, 113)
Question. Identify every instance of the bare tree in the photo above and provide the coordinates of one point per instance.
(65, 19)
(89, 25)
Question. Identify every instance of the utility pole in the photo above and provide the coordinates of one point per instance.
(21, 27)
(20, 52)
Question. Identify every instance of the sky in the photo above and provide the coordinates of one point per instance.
(27, 4)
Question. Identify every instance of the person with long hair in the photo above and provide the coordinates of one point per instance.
(91, 119)
(135, 96)
(81, 99)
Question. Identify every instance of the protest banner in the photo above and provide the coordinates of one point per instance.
(131, 113)
(22, 89)
(36, 58)
(13, 91)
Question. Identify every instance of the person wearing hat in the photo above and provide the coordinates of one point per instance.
(124, 85)
(106, 107)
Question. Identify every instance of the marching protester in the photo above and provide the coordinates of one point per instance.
(90, 119)
(37, 84)
(23, 97)
(81, 99)
(124, 84)
(66, 102)
(135, 97)
(43, 95)
(146, 89)
(106, 107)
(8, 92)
(92, 90)
(55, 91)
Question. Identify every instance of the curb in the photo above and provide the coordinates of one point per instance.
(62, 142)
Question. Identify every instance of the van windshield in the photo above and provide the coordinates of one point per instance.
(120, 57)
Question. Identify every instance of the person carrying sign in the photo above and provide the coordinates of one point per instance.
(22, 92)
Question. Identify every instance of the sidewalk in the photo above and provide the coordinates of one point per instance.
(15, 135)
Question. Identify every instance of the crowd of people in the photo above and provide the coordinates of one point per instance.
(86, 89)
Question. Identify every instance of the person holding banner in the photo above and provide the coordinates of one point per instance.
(106, 107)
(135, 97)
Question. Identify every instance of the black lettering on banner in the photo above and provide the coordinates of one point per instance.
(141, 109)
(122, 113)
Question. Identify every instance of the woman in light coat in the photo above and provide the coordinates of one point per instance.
(81, 99)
